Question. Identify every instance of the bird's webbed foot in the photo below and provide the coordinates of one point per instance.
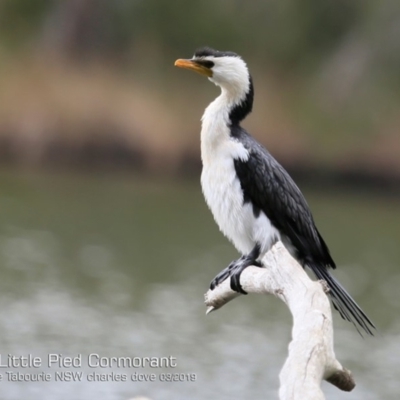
(234, 270)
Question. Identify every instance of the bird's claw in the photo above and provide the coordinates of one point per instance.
(234, 270)
(235, 282)
(223, 275)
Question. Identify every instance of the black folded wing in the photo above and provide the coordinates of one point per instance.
(268, 187)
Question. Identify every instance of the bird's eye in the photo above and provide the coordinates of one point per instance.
(205, 63)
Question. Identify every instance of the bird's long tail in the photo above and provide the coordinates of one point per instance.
(343, 302)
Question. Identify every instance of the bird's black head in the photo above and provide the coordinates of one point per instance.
(209, 52)
(227, 70)
(224, 68)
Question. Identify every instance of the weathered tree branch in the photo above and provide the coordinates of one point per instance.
(311, 357)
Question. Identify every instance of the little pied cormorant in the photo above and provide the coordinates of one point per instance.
(253, 199)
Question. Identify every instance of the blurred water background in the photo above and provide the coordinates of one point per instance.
(106, 245)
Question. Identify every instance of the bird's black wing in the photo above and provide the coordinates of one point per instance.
(269, 188)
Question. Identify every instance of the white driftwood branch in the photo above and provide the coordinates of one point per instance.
(311, 357)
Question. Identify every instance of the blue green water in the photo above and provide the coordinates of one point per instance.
(117, 266)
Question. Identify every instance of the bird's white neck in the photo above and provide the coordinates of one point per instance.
(216, 122)
(215, 125)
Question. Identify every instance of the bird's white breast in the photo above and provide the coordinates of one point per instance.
(224, 197)
(221, 186)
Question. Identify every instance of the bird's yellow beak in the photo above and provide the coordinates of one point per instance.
(194, 66)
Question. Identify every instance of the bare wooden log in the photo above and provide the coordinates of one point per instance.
(311, 356)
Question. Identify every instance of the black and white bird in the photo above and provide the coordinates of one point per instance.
(253, 199)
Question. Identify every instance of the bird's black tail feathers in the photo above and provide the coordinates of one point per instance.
(342, 301)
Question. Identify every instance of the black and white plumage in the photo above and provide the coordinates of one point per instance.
(253, 199)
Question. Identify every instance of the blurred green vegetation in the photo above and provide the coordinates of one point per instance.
(287, 33)
(328, 70)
